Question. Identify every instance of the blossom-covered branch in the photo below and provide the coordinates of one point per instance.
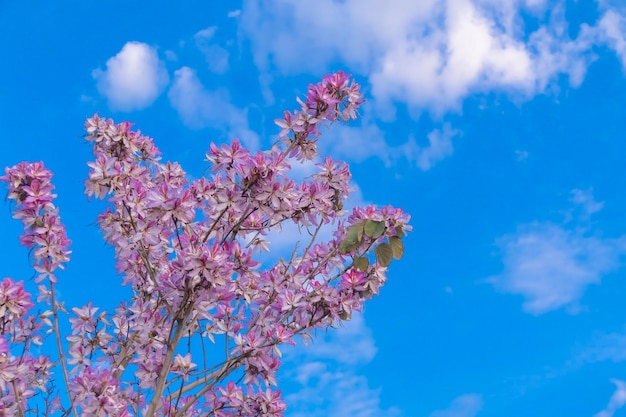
(192, 253)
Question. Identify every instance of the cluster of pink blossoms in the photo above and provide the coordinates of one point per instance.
(190, 251)
(23, 371)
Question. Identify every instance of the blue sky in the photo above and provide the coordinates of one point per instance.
(497, 124)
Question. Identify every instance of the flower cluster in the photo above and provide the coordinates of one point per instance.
(191, 251)
(30, 187)
(335, 98)
(23, 372)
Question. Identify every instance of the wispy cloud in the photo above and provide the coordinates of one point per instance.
(326, 374)
(617, 400)
(467, 405)
(199, 107)
(605, 346)
(613, 31)
(133, 78)
(521, 156)
(357, 144)
(584, 205)
(216, 57)
(439, 147)
(551, 266)
(430, 54)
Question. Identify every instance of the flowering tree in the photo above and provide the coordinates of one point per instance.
(189, 250)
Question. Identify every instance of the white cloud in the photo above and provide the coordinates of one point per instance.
(475, 51)
(357, 144)
(467, 405)
(551, 266)
(585, 205)
(353, 30)
(555, 54)
(473, 48)
(133, 79)
(613, 30)
(429, 54)
(301, 170)
(440, 147)
(171, 55)
(617, 400)
(521, 156)
(199, 107)
(605, 346)
(216, 57)
(355, 337)
(326, 373)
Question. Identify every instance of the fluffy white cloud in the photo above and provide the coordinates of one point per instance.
(199, 107)
(551, 266)
(133, 78)
(467, 405)
(353, 30)
(617, 400)
(464, 51)
(327, 377)
(429, 54)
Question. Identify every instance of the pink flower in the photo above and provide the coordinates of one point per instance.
(14, 300)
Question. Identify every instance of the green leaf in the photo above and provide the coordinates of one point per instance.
(355, 233)
(397, 247)
(373, 228)
(399, 231)
(347, 246)
(361, 264)
(360, 229)
(383, 254)
(365, 294)
(354, 238)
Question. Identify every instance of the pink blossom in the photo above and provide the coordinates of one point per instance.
(14, 300)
